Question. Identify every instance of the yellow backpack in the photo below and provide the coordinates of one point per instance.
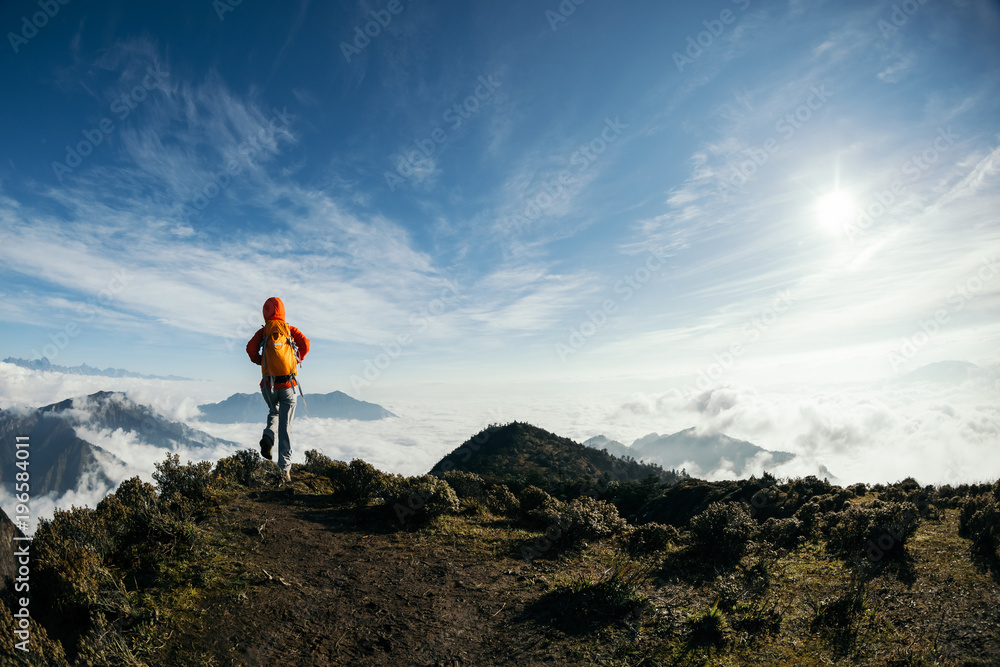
(279, 357)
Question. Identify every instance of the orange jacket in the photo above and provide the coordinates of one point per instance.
(274, 309)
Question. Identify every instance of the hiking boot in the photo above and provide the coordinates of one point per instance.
(266, 445)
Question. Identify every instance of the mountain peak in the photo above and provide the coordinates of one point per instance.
(519, 449)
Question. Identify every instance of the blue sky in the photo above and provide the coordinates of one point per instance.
(639, 194)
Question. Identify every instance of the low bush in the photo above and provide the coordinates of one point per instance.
(420, 499)
(466, 484)
(240, 468)
(783, 533)
(874, 531)
(533, 498)
(582, 518)
(501, 501)
(42, 650)
(979, 522)
(651, 537)
(722, 532)
(317, 463)
(708, 627)
(191, 481)
(361, 482)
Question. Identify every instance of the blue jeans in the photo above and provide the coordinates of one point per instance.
(281, 410)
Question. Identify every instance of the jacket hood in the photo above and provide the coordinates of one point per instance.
(274, 309)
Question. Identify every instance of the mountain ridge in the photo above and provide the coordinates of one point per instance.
(61, 459)
(707, 452)
(242, 408)
(44, 364)
(517, 448)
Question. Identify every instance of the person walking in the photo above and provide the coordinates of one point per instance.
(278, 348)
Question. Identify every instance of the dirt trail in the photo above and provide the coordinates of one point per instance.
(337, 587)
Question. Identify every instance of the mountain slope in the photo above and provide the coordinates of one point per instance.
(61, 459)
(706, 452)
(613, 447)
(526, 450)
(241, 408)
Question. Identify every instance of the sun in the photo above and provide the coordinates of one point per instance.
(836, 210)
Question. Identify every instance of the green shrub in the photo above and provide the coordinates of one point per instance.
(67, 569)
(874, 531)
(317, 463)
(979, 522)
(104, 646)
(191, 481)
(361, 482)
(239, 468)
(420, 499)
(782, 533)
(472, 507)
(708, 627)
(722, 532)
(501, 501)
(466, 484)
(584, 604)
(532, 497)
(808, 516)
(842, 612)
(582, 518)
(651, 538)
(43, 651)
(859, 489)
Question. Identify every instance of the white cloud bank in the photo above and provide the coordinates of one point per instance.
(935, 432)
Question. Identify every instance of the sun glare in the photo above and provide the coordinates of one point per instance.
(836, 210)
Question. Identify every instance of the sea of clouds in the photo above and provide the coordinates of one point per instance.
(937, 432)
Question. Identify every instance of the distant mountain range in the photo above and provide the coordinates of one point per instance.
(61, 460)
(687, 448)
(44, 364)
(241, 408)
(943, 372)
(522, 450)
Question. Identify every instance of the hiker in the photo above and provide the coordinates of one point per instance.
(278, 359)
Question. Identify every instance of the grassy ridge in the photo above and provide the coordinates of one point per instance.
(765, 571)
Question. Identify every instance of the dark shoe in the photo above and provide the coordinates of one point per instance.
(266, 445)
